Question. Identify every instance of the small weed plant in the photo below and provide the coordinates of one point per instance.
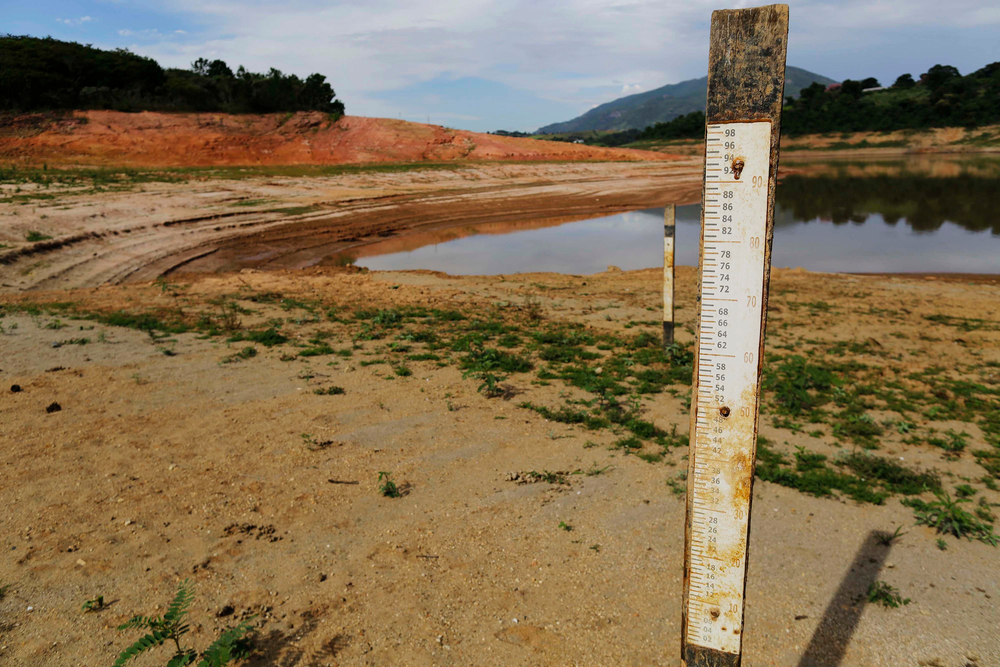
(231, 645)
(882, 593)
(947, 516)
(95, 604)
(248, 352)
(886, 539)
(387, 487)
(314, 445)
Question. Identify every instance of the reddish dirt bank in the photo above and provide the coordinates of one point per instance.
(182, 139)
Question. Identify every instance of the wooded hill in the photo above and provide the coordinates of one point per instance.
(636, 112)
(48, 74)
(942, 97)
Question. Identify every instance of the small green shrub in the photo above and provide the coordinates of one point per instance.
(332, 390)
(267, 338)
(248, 352)
(965, 491)
(798, 385)
(34, 237)
(484, 359)
(317, 351)
(946, 516)
(886, 539)
(628, 444)
(882, 593)
(231, 645)
(388, 487)
(95, 604)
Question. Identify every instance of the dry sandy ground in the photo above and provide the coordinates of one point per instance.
(160, 468)
(148, 229)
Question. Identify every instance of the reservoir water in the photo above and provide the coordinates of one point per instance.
(935, 216)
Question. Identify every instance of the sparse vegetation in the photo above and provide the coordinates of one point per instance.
(267, 337)
(232, 644)
(248, 352)
(861, 477)
(387, 487)
(678, 483)
(34, 237)
(946, 516)
(879, 592)
(94, 604)
(887, 539)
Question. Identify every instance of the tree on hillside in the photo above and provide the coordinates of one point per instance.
(48, 74)
(939, 75)
(689, 126)
(943, 98)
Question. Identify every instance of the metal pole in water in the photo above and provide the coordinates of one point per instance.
(669, 213)
(746, 76)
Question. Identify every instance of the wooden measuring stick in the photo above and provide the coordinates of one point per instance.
(669, 213)
(745, 86)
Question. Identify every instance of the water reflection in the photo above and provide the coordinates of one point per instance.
(923, 203)
(932, 215)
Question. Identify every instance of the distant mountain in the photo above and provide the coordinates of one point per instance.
(656, 106)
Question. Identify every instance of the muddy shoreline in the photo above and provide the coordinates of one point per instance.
(149, 230)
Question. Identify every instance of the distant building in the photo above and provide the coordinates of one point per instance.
(872, 90)
(832, 86)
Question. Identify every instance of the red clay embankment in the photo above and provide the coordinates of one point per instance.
(154, 139)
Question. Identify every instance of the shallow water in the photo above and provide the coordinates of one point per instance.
(848, 217)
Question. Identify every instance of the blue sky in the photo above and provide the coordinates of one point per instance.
(509, 64)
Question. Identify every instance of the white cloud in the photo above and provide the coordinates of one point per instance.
(75, 22)
(577, 52)
(148, 33)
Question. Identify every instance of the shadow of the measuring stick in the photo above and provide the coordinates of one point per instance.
(829, 642)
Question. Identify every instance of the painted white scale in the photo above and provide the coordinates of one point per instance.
(732, 284)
